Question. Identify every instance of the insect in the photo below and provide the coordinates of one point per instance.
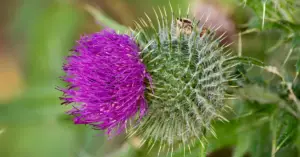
(185, 26)
(204, 31)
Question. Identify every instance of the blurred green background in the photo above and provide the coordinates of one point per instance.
(36, 35)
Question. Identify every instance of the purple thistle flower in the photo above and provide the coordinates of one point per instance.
(106, 81)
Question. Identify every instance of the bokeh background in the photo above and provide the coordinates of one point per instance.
(36, 35)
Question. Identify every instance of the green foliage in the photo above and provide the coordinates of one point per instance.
(104, 20)
(285, 130)
(49, 41)
(275, 89)
(31, 124)
(273, 13)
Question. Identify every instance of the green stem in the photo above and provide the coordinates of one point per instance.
(273, 145)
(274, 138)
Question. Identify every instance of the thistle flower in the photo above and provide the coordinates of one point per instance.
(189, 73)
(105, 81)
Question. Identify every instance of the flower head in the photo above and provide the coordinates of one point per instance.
(105, 81)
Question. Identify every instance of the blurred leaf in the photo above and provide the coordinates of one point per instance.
(92, 143)
(32, 121)
(261, 142)
(105, 20)
(37, 129)
(270, 24)
(297, 142)
(125, 151)
(297, 73)
(246, 60)
(226, 135)
(50, 39)
(298, 66)
(261, 95)
(296, 40)
(252, 117)
(293, 27)
(238, 132)
(289, 151)
(37, 132)
(148, 6)
(243, 144)
(286, 129)
(35, 102)
(27, 8)
(277, 10)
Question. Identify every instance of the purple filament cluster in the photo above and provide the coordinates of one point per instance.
(106, 81)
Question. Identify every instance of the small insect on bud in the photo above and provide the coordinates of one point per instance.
(204, 31)
(184, 25)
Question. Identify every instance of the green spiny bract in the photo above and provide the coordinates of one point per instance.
(188, 83)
